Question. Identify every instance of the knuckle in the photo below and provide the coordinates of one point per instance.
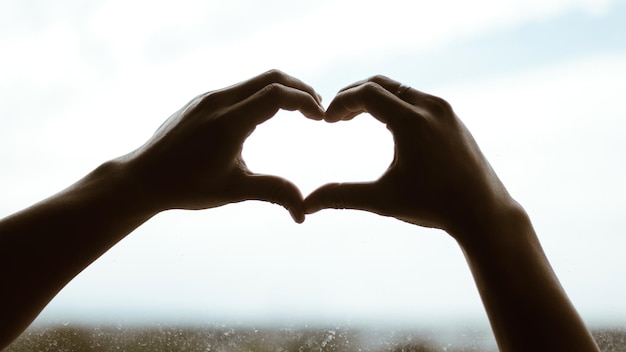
(440, 107)
(208, 100)
(199, 104)
(441, 103)
(198, 98)
(379, 79)
(370, 89)
(272, 89)
(275, 75)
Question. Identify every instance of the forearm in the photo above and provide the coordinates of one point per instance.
(439, 178)
(43, 247)
(527, 307)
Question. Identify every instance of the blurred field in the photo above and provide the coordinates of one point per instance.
(226, 339)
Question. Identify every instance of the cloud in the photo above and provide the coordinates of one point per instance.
(344, 30)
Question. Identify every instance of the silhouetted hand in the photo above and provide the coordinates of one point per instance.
(438, 178)
(194, 159)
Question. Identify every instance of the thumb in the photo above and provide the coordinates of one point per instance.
(360, 196)
(275, 190)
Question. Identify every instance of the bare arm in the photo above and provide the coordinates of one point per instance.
(192, 162)
(439, 178)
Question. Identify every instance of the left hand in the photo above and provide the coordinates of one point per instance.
(194, 160)
(438, 177)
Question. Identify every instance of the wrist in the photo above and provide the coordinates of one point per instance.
(504, 224)
(123, 185)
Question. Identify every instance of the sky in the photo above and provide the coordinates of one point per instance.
(539, 84)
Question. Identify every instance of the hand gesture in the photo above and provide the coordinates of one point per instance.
(438, 178)
(194, 160)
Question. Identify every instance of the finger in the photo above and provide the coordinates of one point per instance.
(408, 94)
(369, 97)
(266, 102)
(245, 89)
(359, 196)
(275, 190)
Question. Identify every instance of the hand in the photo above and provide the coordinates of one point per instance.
(194, 160)
(438, 178)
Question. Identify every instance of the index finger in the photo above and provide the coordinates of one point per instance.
(372, 98)
(265, 103)
(406, 93)
(245, 89)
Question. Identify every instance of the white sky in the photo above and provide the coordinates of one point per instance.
(539, 83)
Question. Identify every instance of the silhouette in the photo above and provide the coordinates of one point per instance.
(438, 178)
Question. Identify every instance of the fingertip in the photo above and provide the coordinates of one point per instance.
(344, 117)
(276, 190)
(313, 109)
(299, 218)
(337, 111)
(297, 214)
(320, 114)
(331, 114)
(317, 115)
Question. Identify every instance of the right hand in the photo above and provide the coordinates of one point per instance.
(438, 178)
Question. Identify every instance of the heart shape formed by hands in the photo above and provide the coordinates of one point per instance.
(311, 154)
(435, 178)
(437, 174)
